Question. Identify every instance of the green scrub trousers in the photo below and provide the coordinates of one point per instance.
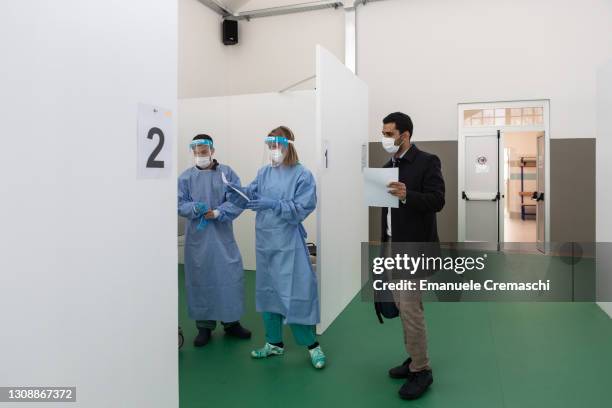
(273, 322)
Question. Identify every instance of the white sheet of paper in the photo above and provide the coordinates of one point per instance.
(232, 187)
(375, 190)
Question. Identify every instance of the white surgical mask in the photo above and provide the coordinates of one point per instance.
(388, 143)
(276, 156)
(203, 161)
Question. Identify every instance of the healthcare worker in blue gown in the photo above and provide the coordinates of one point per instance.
(283, 194)
(213, 266)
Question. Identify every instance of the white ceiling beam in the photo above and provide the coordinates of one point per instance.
(282, 10)
(350, 35)
(349, 4)
(222, 9)
(364, 2)
(217, 7)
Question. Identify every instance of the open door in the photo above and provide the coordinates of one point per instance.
(539, 195)
(482, 209)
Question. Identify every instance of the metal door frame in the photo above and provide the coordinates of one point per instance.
(488, 130)
(543, 246)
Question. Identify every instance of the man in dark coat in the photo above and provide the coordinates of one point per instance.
(420, 191)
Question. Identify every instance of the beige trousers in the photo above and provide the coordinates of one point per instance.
(411, 313)
(410, 306)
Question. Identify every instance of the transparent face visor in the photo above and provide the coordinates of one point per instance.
(201, 151)
(275, 151)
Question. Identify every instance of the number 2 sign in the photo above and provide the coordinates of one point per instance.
(154, 142)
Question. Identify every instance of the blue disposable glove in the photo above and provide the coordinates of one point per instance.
(202, 224)
(262, 203)
(199, 208)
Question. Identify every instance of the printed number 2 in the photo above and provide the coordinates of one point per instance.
(152, 162)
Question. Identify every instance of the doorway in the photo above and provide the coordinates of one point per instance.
(503, 172)
(521, 186)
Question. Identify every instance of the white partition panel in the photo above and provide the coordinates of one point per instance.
(88, 286)
(604, 193)
(342, 219)
(238, 125)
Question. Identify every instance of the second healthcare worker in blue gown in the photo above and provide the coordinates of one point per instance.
(213, 265)
(283, 194)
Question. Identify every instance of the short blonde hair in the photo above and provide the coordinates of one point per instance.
(291, 159)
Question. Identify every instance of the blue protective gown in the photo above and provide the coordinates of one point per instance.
(285, 281)
(214, 276)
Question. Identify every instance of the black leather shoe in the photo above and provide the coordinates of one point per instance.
(416, 385)
(202, 338)
(401, 371)
(238, 331)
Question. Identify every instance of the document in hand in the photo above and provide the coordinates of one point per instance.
(375, 190)
(224, 179)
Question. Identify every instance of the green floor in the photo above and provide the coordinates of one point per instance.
(483, 355)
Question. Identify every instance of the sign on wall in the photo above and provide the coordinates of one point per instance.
(481, 165)
(155, 141)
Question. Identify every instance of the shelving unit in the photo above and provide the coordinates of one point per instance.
(526, 162)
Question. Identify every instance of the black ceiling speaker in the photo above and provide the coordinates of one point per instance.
(230, 32)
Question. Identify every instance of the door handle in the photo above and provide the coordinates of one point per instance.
(479, 196)
(540, 197)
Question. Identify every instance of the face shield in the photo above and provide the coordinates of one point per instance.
(276, 148)
(202, 151)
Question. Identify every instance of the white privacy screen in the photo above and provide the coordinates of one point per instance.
(342, 218)
(88, 284)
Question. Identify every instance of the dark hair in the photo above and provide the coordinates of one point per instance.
(402, 122)
(203, 137)
(206, 137)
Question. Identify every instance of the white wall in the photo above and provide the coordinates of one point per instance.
(88, 285)
(202, 58)
(275, 52)
(272, 53)
(604, 193)
(238, 125)
(423, 57)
